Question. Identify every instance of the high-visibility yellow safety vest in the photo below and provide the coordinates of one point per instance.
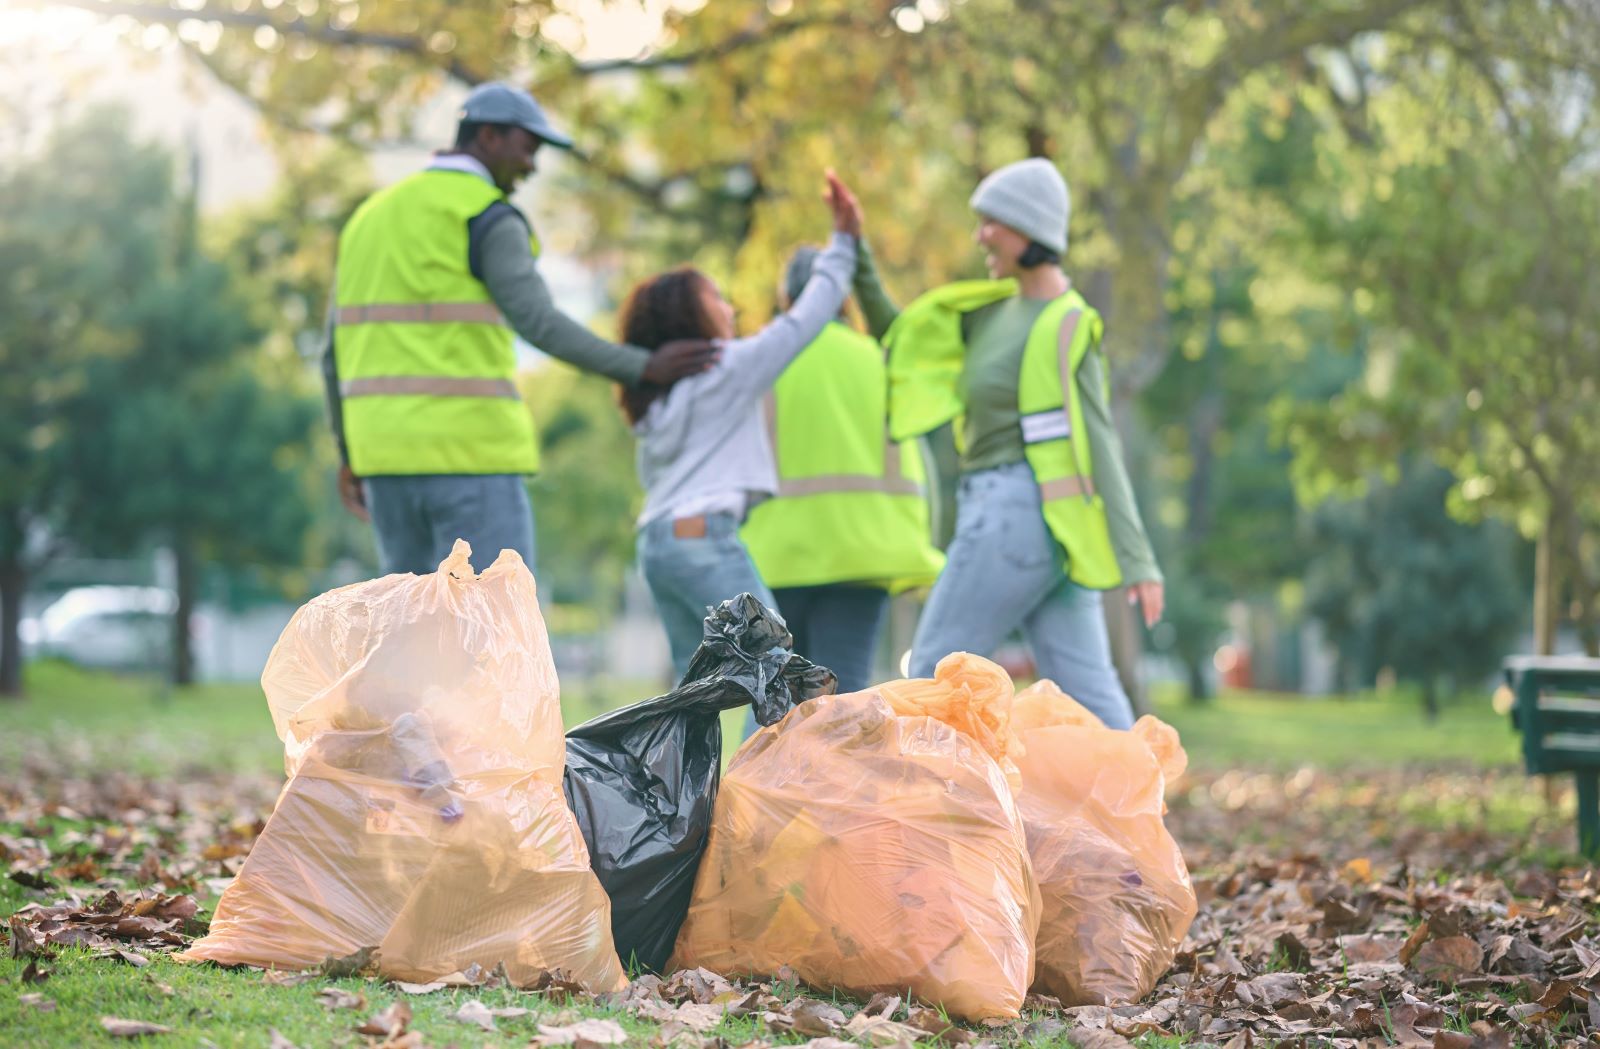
(851, 505)
(426, 364)
(926, 358)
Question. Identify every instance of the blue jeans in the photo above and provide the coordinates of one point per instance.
(836, 626)
(687, 576)
(418, 518)
(1004, 573)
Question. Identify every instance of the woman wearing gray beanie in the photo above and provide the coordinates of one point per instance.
(1045, 514)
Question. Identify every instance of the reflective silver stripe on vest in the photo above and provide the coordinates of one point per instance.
(1066, 488)
(1052, 425)
(420, 313)
(428, 386)
(827, 484)
(891, 483)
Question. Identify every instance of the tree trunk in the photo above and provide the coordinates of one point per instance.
(13, 582)
(1199, 686)
(1544, 596)
(187, 583)
(1430, 698)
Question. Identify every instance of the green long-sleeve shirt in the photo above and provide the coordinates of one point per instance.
(995, 337)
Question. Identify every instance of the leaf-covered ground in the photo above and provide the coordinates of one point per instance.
(1415, 905)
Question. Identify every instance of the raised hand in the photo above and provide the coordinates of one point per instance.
(847, 216)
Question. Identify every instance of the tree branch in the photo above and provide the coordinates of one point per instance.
(324, 33)
(756, 36)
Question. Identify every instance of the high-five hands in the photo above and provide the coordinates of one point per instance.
(846, 209)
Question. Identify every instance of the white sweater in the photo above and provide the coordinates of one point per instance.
(703, 448)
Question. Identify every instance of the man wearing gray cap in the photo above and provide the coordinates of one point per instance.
(435, 274)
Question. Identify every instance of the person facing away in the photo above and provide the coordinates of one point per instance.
(1012, 369)
(704, 456)
(434, 275)
(849, 523)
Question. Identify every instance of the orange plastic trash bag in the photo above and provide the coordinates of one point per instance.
(424, 813)
(1117, 896)
(871, 850)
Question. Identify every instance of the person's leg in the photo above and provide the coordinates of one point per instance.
(1000, 565)
(797, 604)
(490, 511)
(842, 631)
(1068, 636)
(689, 575)
(400, 524)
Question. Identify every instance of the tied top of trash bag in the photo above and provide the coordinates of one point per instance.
(971, 694)
(746, 655)
(465, 653)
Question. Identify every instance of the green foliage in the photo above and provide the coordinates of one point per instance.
(1400, 585)
(586, 497)
(162, 427)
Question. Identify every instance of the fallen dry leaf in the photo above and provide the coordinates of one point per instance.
(37, 1001)
(476, 1013)
(938, 1027)
(811, 1017)
(338, 998)
(697, 1016)
(278, 1041)
(599, 1032)
(881, 1031)
(420, 988)
(390, 1023)
(1449, 958)
(119, 1028)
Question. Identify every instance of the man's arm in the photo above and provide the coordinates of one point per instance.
(351, 493)
(330, 379)
(523, 297)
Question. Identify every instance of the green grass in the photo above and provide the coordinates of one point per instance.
(87, 722)
(1268, 730)
(92, 720)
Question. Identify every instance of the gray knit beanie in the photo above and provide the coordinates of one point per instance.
(798, 271)
(1031, 197)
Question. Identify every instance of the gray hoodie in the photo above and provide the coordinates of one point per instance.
(704, 447)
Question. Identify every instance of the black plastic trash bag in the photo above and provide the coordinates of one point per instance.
(642, 780)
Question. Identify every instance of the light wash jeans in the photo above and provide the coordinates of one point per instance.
(419, 518)
(689, 576)
(1004, 573)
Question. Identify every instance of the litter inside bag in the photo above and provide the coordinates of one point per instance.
(1117, 896)
(642, 780)
(871, 850)
(424, 813)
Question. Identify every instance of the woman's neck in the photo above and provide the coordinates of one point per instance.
(1043, 282)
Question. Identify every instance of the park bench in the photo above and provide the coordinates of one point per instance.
(1556, 707)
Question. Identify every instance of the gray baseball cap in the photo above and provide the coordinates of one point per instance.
(499, 103)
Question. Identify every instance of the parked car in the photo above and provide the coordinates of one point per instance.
(114, 627)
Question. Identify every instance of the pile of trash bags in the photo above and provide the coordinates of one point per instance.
(435, 811)
(948, 837)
